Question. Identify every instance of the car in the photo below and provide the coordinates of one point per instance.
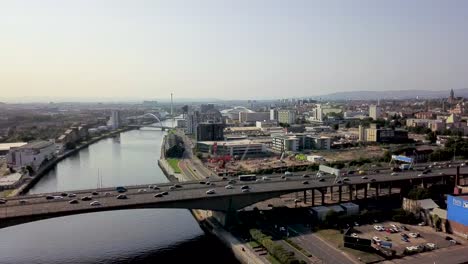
(150, 186)
(71, 195)
(405, 239)
(155, 187)
(122, 196)
(107, 194)
(321, 180)
(305, 176)
(354, 235)
(86, 198)
(297, 200)
(224, 178)
(23, 202)
(245, 190)
(141, 190)
(393, 173)
(431, 246)
(393, 226)
(95, 193)
(426, 171)
(448, 238)
(57, 197)
(356, 224)
(228, 186)
(404, 228)
(345, 179)
(283, 177)
(172, 188)
(244, 187)
(265, 178)
(95, 203)
(441, 173)
(177, 185)
(202, 182)
(319, 174)
(74, 201)
(64, 194)
(364, 177)
(463, 164)
(453, 241)
(165, 193)
(422, 224)
(210, 191)
(158, 195)
(414, 235)
(339, 181)
(373, 180)
(49, 197)
(3, 201)
(121, 189)
(404, 235)
(378, 227)
(232, 182)
(288, 173)
(376, 239)
(305, 182)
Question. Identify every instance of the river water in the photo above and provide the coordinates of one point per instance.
(129, 236)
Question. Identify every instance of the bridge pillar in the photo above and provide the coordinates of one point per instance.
(331, 193)
(322, 192)
(365, 191)
(313, 197)
(305, 196)
(356, 190)
(350, 189)
(340, 193)
(377, 187)
(390, 189)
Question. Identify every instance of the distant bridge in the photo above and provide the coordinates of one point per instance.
(159, 123)
(193, 195)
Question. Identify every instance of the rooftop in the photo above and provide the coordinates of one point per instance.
(241, 142)
(7, 146)
(37, 145)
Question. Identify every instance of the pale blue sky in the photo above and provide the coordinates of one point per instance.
(229, 49)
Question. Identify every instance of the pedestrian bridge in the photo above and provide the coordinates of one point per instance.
(193, 195)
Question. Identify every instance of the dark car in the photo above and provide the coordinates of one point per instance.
(64, 194)
(305, 176)
(49, 197)
(426, 171)
(164, 193)
(305, 182)
(122, 196)
(73, 201)
(86, 198)
(3, 201)
(202, 182)
(95, 193)
(121, 189)
(158, 195)
(224, 178)
(373, 180)
(178, 186)
(321, 180)
(232, 182)
(244, 187)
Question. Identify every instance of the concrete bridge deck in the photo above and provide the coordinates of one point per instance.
(192, 195)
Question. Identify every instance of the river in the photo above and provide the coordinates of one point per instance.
(128, 236)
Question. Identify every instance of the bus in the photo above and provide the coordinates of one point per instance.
(247, 177)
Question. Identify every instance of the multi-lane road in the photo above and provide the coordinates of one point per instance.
(141, 196)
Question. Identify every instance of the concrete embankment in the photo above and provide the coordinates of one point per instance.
(49, 165)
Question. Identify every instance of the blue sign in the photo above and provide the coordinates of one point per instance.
(457, 209)
(402, 158)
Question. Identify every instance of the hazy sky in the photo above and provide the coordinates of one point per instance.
(229, 49)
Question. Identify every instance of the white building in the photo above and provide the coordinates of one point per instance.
(32, 154)
(375, 112)
(287, 116)
(114, 120)
(232, 148)
(274, 114)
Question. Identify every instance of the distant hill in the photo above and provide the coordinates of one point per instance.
(399, 94)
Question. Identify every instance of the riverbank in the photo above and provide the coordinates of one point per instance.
(208, 222)
(34, 179)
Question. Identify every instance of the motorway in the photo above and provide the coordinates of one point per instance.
(190, 191)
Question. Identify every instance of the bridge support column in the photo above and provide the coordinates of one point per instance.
(356, 190)
(365, 191)
(305, 196)
(340, 193)
(313, 197)
(377, 187)
(323, 196)
(390, 189)
(350, 189)
(331, 193)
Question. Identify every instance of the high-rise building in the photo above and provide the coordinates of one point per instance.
(206, 107)
(318, 113)
(287, 116)
(362, 133)
(451, 98)
(274, 114)
(114, 120)
(192, 120)
(210, 132)
(374, 112)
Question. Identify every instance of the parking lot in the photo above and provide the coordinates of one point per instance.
(425, 234)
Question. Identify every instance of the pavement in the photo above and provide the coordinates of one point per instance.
(319, 248)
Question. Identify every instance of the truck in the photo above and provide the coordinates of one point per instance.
(248, 177)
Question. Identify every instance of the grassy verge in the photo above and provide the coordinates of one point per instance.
(174, 163)
(254, 244)
(336, 239)
(6, 193)
(272, 259)
(296, 246)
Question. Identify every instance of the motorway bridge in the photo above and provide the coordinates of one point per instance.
(193, 195)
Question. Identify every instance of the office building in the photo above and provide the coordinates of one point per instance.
(274, 114)
(114, 120)
(206, 107)
(374, 112)
(457, 214)
(386, 135)
(232, 148)
(192, 119)
(32, 154)
(299, 142)
(287, 116)
(246, 117)
(210, 132)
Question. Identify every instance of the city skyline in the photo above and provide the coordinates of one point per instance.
(241, 50)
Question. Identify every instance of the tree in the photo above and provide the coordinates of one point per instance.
(419, 194)
(431, 137)
(336, 126)
(348, 125)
